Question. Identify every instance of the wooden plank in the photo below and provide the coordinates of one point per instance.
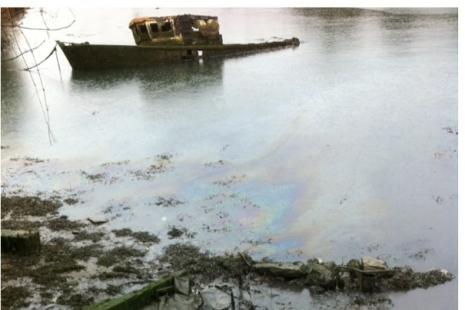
(138, 299)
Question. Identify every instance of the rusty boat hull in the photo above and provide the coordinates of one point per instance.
(84, 56)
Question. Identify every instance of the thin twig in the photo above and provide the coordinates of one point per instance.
(30, 75)
(42, 61)
(31, 28)
(51, 137)
(12, 25)
(44, 105)
(48, 36)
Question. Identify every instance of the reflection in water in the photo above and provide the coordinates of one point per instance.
(332, 13)
(400, 22)
(169, 76)
(19, 100)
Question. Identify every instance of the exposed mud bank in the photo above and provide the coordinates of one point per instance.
(81, 263)
(73, 256)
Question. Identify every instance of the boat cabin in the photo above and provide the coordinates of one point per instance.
(176, 30)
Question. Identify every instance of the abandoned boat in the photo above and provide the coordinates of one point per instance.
(163, 40)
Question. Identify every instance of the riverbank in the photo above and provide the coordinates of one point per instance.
(83, 262)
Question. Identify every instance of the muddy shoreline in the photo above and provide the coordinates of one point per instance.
(83, 262)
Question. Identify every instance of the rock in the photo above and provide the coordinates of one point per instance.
(285, 270)
(373, 264)
(182, 285)
(215, 299)
(322, 275)
(20, 241)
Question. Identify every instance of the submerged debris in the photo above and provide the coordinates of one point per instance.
(33, 206)
(176, 292)
(175, 232)
(214, 298)
(285, 270)
(167, 202)
(98, 177)
(71, 201)
(161, 165)
(63, 223)
(215, 163)
(118, 254)
(230, 180)
(141, 236)
(451, 130)
(97, 221)
(367, 275)
(85, 235)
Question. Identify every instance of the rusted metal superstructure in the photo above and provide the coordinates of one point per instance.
(178, 30)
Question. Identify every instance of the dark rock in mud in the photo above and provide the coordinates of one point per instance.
(20, 241)
(19, 206)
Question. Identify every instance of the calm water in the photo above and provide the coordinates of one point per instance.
(339, 148)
